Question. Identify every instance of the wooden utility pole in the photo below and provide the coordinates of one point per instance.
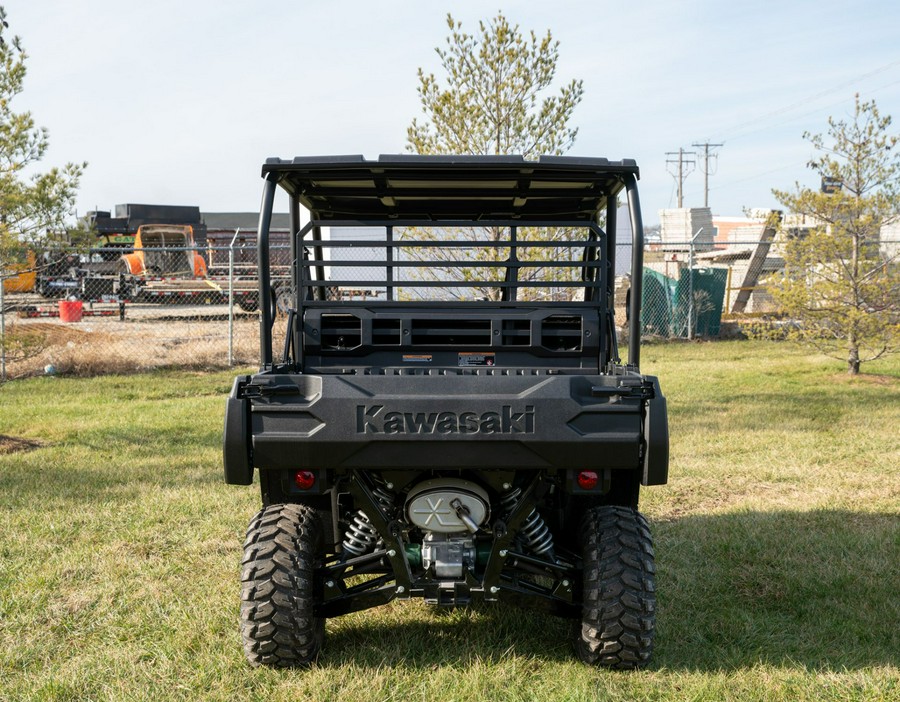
(706, 156)
(683, 170)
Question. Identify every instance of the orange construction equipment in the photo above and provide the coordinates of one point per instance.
(23, 274)
(165, 250)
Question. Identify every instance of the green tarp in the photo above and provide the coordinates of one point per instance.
(671, 307)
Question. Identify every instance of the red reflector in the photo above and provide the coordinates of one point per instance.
(304, 479)
(588, 479)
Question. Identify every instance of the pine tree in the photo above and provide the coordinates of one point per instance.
(493, 103)
(33, 210)
(492, 100)
(841, 283)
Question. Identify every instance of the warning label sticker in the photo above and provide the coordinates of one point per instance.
(468, 360)
(417, 358)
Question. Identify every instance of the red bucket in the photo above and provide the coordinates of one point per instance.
(70, 310)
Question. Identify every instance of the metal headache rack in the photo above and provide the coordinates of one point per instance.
(510, 208)
(411, 263)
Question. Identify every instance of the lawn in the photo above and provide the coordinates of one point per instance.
(777, 541)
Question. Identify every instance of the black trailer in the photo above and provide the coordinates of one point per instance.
(117, 229)
(467, 431)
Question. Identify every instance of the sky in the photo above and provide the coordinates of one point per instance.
(180, 102)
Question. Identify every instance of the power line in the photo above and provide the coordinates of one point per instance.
(797, 164)
(815, 111)
(802, 103)
(755, 176)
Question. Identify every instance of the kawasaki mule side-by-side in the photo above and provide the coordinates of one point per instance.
(448, 417)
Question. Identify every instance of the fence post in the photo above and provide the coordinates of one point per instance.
(690, 329)
(231, 298)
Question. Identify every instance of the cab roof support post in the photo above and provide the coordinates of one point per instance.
(295, 232)
(637, 271)
(610, 253)
(296, 301)
(262, 249)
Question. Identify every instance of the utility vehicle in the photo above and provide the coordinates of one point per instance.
(447, 417)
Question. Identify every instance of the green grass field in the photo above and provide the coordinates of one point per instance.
(777, 542)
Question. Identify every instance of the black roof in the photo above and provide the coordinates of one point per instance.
(229, 221)
(452, 187)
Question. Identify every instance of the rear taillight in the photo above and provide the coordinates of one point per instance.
(304, 479)
(588, 479)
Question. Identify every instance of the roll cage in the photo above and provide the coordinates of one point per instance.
(506, 197)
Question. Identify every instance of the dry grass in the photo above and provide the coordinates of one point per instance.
(107, 345)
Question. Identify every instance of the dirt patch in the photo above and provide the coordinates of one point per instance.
(866, 379)
(12, 444)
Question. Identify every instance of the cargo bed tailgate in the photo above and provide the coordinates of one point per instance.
(443, 421)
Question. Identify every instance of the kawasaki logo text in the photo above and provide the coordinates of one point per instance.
(374, 420)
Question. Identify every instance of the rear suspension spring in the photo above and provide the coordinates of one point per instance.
(361, 536)
(534, 532)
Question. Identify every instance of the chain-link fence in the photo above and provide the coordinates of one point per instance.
(689, 288)
(694, 288)
(685, 294)
(97, 312)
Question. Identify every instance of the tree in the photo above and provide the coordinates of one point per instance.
(490, 104)
(34, 209)
(493, 104)
(841, 284)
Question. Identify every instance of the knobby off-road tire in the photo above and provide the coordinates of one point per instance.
(619, 608)
(277, 620)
